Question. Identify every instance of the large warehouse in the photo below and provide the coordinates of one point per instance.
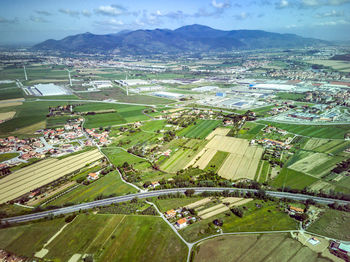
(47, 90)
(168, 95)
(276, 87)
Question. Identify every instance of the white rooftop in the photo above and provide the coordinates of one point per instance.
(50, 90)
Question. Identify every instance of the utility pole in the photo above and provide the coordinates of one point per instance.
(70, 79)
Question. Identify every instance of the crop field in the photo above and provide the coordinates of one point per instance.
(343, 66)
(319, 131)
(11, 93)
(106, 185)
(118, 156)
(25, 240)
(216, 161)
(263, 176)
(293, 179)
(201, 130)
(7, 156)
(42, 173)
(118, 238)
(172, 203)
(326, 145)
(244, 248)
(198, 203)
(308, 163)
(249, 130)
(183, 157)
(7, 115)
(265, 217)
(221, 131)
(11, 102)
(205, 158)
(333, 223)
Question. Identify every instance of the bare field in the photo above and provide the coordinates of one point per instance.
(221, 131)
(30, 129)
(7, 115)
(228, 144)
(198, 203)
(11, 102)
(212, 211)
(42, 173)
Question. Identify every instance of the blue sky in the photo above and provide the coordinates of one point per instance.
(38, 20)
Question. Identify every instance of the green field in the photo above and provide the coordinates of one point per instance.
(7, 156)
(118, 238)
(172, 203)
(293, 179)
(27, 239)
(265, 247)
(118, 156)
(11, 93)
(320, 131)
(268, 217)
(200, 130)
(249, 130)
(179, 159)
(264, 172)
(107, 185)
(216, 162)
(333, 223)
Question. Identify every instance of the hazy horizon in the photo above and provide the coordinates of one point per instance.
(35, 21)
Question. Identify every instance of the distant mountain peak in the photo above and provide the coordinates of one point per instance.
(189, 38)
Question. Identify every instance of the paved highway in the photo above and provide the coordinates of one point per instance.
(108, 201)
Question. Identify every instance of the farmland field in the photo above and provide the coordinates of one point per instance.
(201, 130)
(249, 130)
(319, 131)
(42, 173)
(266, 247)
(326, 145)
(106, 185)
(25, 240)
(172, 203)
(333, 223)
(222, 131)
(293, 179)
(216, 162)
(118, 156)
(7, 156)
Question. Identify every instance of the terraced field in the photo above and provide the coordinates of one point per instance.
(42, 173)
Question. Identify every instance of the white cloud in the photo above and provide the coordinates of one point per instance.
(242, 16)
(69, 12)
(37, 19)
(333, 23)
(283, 4)
(86, 13)
(332, 13)
(43, 12)
(110, 10)
(221, 5)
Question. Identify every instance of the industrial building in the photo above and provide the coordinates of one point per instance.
(132, 82)
(205, 88)
(101, 83)
(47, 90)
(275, 87)
(146, 89)
(168, 95)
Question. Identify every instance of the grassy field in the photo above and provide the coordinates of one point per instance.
(118, 238)
(7, 156)
(107, 185)
(172, 203)
(179, 159)
(333, 223)
(200, 130)
(216, 162)
(264, 172)
(293, 179)
(267, 217)
(11, 93)
(249, 130)
(27, 239)
(328, 131)
(244, 248)
(118, 156)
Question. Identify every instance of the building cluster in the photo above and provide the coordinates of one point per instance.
(100, 137)
(180, 217)
(270, 143)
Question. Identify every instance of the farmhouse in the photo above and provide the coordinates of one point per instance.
(296, 210)
(170, 213)
(92, 176)
(181, 223)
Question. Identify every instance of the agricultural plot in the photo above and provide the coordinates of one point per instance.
(183, 157)
(118, 156)
(11, 102)
(327, 145)
(244, 248)
(249, 130)
(221, 131)
(294, 179)
(107, 185)
(42, 173)
(201, 130)
(318, 131)
(7, 115)
(217, 160)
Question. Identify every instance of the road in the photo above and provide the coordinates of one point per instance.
(109, 201)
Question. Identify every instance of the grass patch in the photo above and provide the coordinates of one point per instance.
(173, 203)
(7, 156)
(200, 130)
(293, 179)
(216, 162)
(249, 130)
(333, 223)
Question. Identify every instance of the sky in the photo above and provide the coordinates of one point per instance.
(33, 21)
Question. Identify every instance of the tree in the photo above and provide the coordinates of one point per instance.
(189, 192)
(237, 211)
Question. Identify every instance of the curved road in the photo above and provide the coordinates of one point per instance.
(108, 201)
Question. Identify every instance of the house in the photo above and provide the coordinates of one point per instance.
(314, 241)
(93, 176)
(181, 223)
(170, 213)
(154, 184)
(296, 210)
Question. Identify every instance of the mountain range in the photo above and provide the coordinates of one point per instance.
(191, 38)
